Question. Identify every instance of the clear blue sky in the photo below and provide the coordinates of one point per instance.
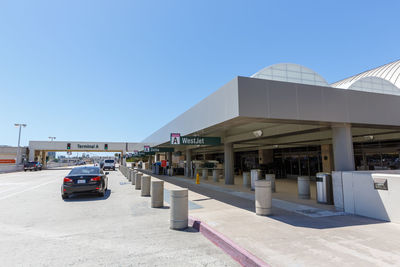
(120, 70)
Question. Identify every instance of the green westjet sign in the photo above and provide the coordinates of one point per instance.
(177, 139)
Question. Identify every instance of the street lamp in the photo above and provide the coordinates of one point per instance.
(19, 139)
(52, 138)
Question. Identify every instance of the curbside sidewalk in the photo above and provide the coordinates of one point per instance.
(238, 253)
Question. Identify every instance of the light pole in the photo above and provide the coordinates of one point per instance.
(52, 138)
(19, 139)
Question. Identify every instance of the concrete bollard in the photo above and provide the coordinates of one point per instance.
(216, 176)
(303, 186)
(130, 175)
(145, 190)
(157, 194)
(246, 179)
(134, 173)
(271, 177)
(138, 181)
(179, 209)
(263, 197)
(204, 173)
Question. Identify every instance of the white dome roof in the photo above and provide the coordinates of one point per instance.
(289, 72)
(389, 72)
(374, 85)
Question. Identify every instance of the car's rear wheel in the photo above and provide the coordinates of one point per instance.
(64, 196)
(114, 169)
(101, 194)
(24, 170)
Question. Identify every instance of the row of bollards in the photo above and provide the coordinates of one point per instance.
(179, 209)
(179, 198)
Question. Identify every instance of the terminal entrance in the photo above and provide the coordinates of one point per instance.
(286, 150)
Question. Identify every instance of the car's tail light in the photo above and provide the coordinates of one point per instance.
(95, 179)
(67, 180)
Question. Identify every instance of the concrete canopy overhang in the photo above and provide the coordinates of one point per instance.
(288, 114)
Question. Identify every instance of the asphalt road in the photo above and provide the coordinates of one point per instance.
(38, 228)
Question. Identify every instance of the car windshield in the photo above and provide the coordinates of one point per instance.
(109, 161)
(84, 170)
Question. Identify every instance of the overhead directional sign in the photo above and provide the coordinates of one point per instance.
(177, 139)
(153, 150)
(138, 154)
(162, 149)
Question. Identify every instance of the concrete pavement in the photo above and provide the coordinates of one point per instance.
(38, 228)
(290, 238)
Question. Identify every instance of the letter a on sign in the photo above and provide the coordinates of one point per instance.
(175, 138)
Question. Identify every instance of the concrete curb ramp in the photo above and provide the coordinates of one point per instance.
(238, 253)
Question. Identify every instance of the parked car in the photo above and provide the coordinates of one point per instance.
(33, 165)
(109, 164)
(85, 180)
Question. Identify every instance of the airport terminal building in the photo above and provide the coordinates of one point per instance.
(288, 121)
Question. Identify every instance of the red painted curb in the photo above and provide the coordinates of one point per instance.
(238, 253)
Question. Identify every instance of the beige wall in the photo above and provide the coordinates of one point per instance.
(327, 158)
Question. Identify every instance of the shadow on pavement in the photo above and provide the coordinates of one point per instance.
(288, 217)
(87, 197)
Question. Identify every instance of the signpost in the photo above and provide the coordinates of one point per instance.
(177, 139)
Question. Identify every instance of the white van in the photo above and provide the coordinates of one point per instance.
(109, 164)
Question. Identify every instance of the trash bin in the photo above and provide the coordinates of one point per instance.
(246, 179)
(271, 177)
(255, 175)
(324, 188)
(303, 187)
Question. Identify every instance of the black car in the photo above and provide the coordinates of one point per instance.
(85, 180)
(33, 165)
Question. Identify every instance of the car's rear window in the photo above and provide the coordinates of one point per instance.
(84, 170)
(109, 161)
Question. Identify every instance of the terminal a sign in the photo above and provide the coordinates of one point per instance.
(87, 146)
(177, 139)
